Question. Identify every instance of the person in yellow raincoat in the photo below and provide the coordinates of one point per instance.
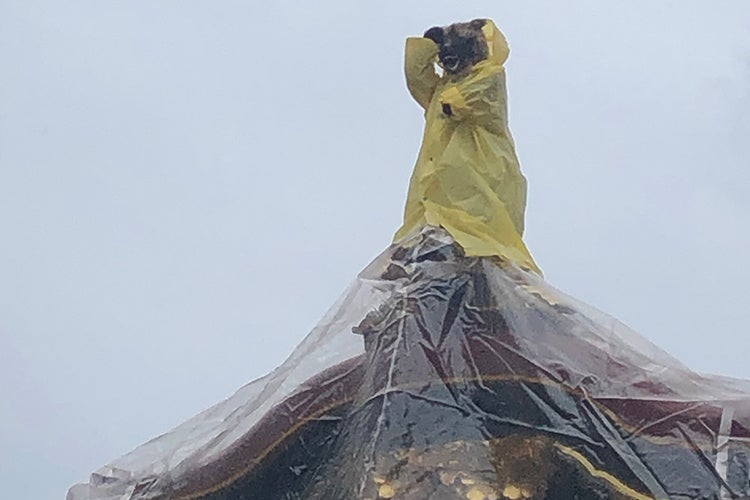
(467, 178)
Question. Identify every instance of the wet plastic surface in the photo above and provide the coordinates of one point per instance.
(450, 369)
(445, 376)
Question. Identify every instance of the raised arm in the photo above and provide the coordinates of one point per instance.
(419, 66)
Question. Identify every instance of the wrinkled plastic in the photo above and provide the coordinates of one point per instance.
(439, 375)
(451, 370)
(467, 178)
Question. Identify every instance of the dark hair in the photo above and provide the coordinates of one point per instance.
(461, 44)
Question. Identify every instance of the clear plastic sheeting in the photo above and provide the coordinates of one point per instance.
(442, 376)
(450, 369)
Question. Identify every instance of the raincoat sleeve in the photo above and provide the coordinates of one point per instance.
(419, 66)
(480, 98)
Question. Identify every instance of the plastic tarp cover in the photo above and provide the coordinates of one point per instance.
(439, 375)
(450, 369)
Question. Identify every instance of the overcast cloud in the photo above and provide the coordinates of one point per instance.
(186, 187)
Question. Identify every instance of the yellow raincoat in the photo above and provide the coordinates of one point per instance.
(467, 178)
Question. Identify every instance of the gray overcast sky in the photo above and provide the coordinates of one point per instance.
(186, 187)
